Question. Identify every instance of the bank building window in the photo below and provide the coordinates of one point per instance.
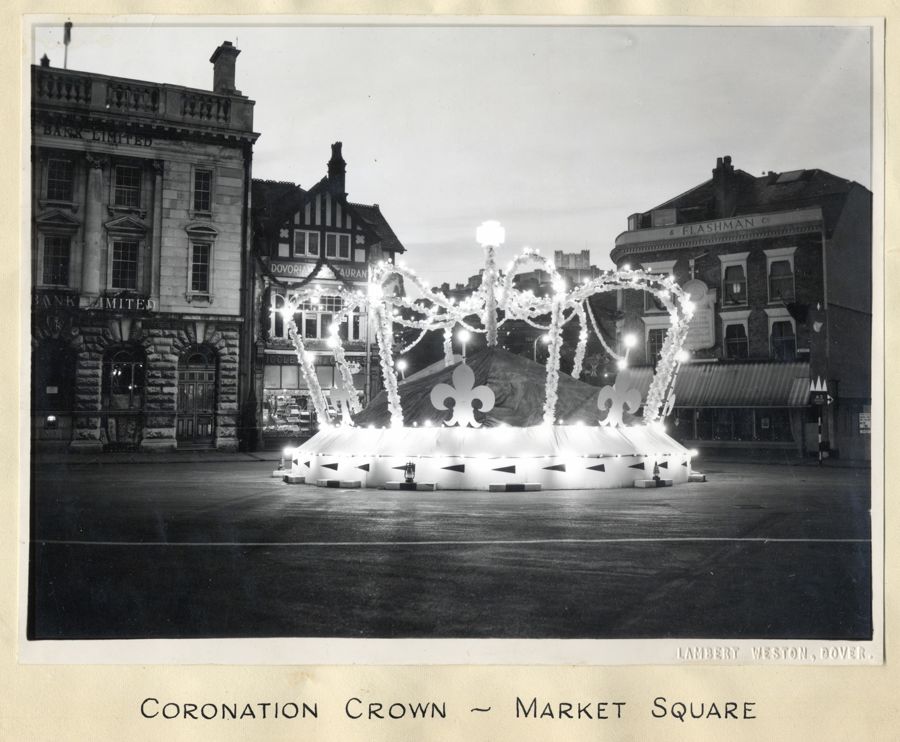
(123, 379)
(306, 244)
(60, 180)
(55, 268)
(203, 191)
(127, 191)
(124, 264)
(736, 343)
(784, 342)
(200, 264)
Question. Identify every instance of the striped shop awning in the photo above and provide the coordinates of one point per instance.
(764, 384)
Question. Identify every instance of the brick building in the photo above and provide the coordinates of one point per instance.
(779, 268)
(304, 237)
(140, 201)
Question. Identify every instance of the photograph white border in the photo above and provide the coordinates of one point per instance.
(320, 651)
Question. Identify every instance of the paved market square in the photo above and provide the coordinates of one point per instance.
(223, 549)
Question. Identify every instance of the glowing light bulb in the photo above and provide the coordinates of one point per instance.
(464, 336)
(621, 364)
(682, 356)
(376, 292)
(490, 234)
(630, 340)
(626, 267)
(559, 284)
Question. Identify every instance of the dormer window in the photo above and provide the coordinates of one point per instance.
(662, 217)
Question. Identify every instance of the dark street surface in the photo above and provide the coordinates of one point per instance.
(224, 550)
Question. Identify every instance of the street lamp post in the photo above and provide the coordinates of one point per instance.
(401, 367)
(463, 336)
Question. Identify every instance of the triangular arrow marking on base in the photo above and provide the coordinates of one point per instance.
(637, 466)
(306, 464)
(684, 463)
(598, 467)
(455, 467)
(663, 464)
(400, 468)
(364, 467)
(507, 469)
(555, 467)
(330, 466)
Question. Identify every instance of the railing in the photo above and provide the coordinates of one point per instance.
(206, 107)
(132, 97)
(55, 88)
(61, 87)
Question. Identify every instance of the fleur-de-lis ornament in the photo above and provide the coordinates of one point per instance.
(618, 402)
(464, 392)
(340, 395)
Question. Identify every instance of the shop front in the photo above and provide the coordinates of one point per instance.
(751, 406)
(288, 414)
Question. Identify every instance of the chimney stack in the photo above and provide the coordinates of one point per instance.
(724, 186)
(337, 171)
(45, 61)
(223, 60)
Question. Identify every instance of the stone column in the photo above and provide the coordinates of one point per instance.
(93, 229)
(156, 237)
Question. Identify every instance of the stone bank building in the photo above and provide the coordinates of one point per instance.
(780, 270)
(140, 216)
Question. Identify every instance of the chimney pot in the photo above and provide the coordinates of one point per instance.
(45, 61)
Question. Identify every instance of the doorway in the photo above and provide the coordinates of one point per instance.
(196, 416)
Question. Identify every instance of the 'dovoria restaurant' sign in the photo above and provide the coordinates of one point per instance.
(358, 272)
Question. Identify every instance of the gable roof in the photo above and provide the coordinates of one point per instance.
(373, 216)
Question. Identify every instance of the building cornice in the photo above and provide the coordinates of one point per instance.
(717, 232)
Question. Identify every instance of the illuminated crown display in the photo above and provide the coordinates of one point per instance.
(496, 302)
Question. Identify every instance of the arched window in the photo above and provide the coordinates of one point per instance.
(123, 379)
